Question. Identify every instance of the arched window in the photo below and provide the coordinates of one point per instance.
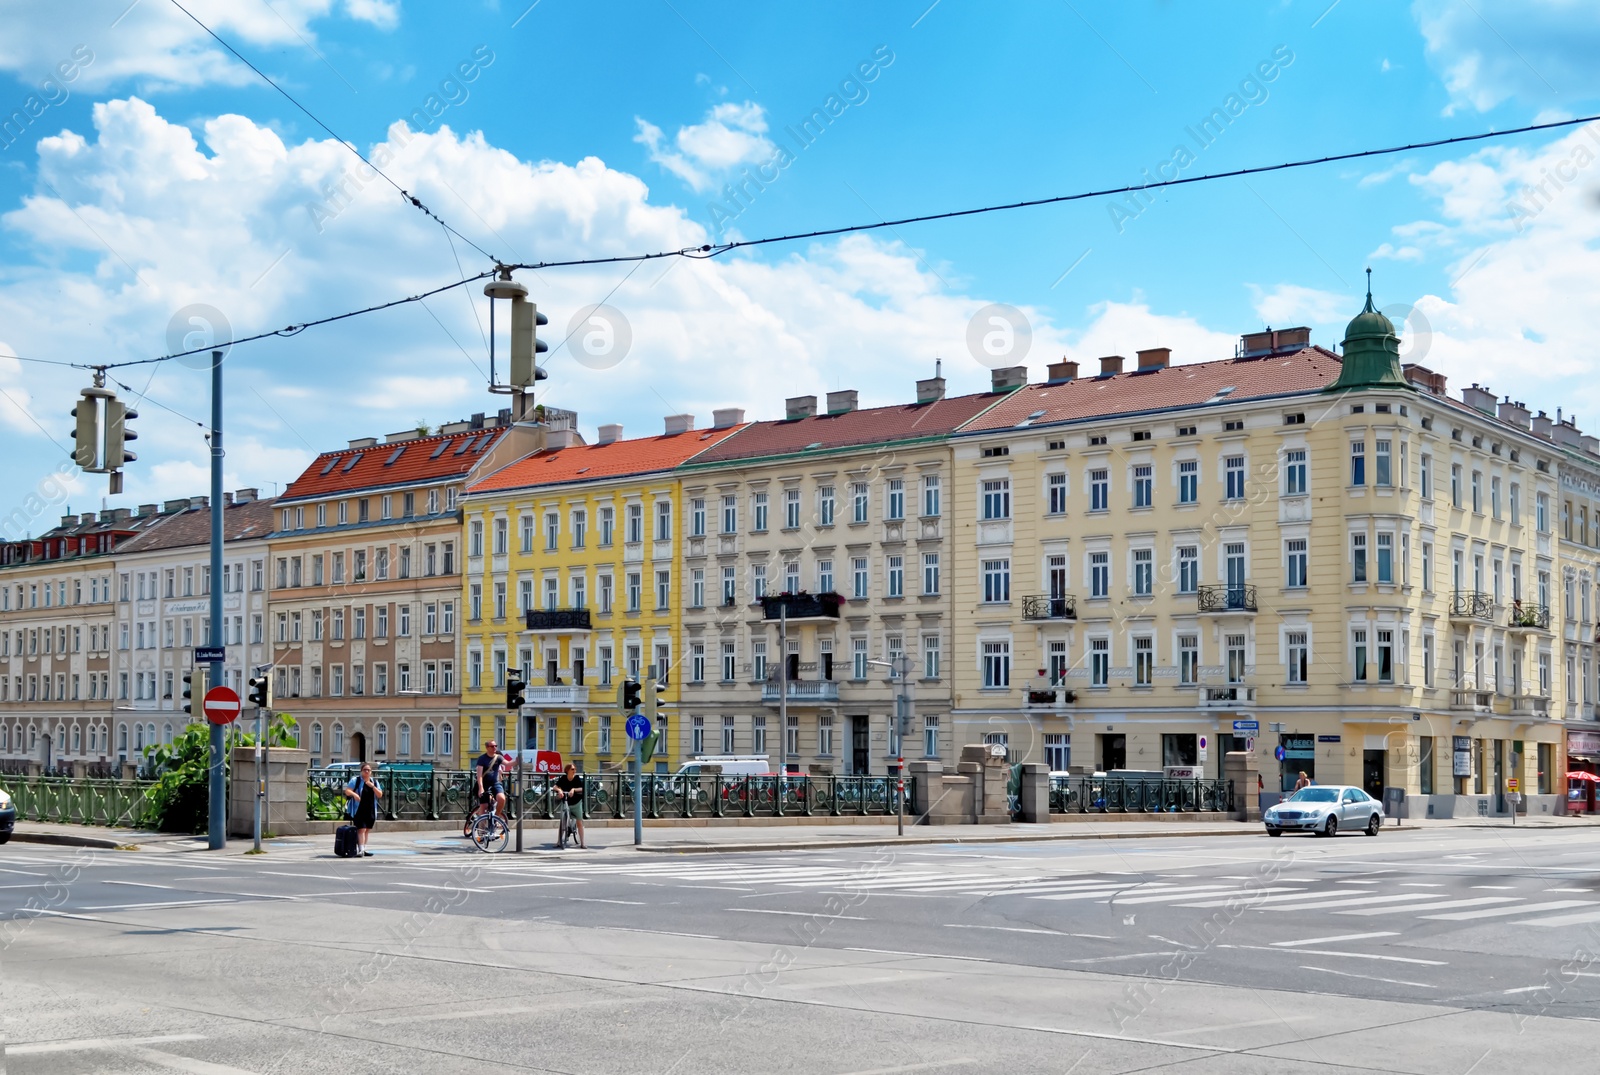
(316, 739)
(447, 740)
(77, 739)
(383, 739)
(138, 738)
(338, 740)
(166, 734)
(5, 739)
(405, 740)
(428, 742)
(122, 739)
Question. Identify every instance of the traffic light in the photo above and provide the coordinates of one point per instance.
(628, 695)
(261, 691)
(526, 345)
(86, 431)
(515, 699)
(117, 437)
(194, 684)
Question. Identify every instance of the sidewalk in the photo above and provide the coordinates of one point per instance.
(700, 839)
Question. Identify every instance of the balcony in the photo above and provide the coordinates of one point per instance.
(1042, 607)
(558, 619)
(1224, 599)
(1472, 700)
(802, 606)
(1530, 705)
(1226, 695)
(800, 692)
(1528, 617)
(1471, 605)
(557, 695)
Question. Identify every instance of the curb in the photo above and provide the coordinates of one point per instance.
(66, 840)
(912, 841)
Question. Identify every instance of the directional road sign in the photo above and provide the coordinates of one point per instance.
(1247, 726)
(638, 726)
(222, 705)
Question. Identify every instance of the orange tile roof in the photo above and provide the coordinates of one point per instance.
(874, 425)
(435, 458)
(1307, 370)
(590, 462)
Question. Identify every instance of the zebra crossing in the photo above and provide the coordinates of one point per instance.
(1338, 897)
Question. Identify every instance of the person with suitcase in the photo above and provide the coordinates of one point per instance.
(362, 809)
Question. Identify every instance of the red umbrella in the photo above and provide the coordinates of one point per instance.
(1584, 776)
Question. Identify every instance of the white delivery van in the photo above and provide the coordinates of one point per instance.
(731, 765)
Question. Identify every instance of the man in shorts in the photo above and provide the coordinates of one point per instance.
(486, 778)
(569, 786)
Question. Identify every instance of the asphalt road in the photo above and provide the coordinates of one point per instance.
(1449, 951)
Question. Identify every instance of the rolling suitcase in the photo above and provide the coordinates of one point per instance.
(344, 841)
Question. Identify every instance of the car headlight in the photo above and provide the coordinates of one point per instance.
(5, 801)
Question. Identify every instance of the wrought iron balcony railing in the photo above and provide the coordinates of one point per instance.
(1226, 598)
(1471, 605)
(558, 619)
(1044, 607)
(1528, 617)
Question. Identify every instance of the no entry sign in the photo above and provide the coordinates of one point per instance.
(222, 705)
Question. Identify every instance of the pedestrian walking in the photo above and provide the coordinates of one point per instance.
(363, 794)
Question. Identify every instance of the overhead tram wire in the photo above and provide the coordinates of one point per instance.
(404, 193)
(707, 251)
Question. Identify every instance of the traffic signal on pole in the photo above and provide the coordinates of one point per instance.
(86, 431)
(526, 345)
(261, 691)
(194, 685)
(628, 695)
(117, 437)
(515, 698)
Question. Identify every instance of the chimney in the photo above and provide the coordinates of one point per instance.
(364, 442)
(227, 498)
(727, 417)
(115, 515)
(1541, 425)
(1154, 358)
(246, 496)
(1424, 378)
(1008, 379)
(477, 420)
(1513, 413)
(86, 518)
(147, 509)
(842, 402)
(69, 520)
(1568, 434)
(1271, 341)
(679, 423)
(1591, 445)
(174, 505)
(199, 501)
(1110, 365)
(1062, 372)
(930, 390)
(1479, 399)
(800, 407)
(400, 437)
(609, 433)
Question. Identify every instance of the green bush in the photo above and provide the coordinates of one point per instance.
(180, 797)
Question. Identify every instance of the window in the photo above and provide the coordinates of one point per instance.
(997, 664)
(635, 587)
(730, 586)
(930, 496)
(1188, 569)
(858, 572)
(1235, 652)
(1144, 661)
(895, 506)
(1385, 557)
(608, 522)
(1359, 641)
(1382, 462)
(1541, 513)
(930, 573)
(1143, 572)
(1385, 656)
(727, 735)
(1056, 494)
(1358, 462)
(730, 514)
(1296, 559)
(1494, 497)
(1099, 662)
(930, 737)
(997, 499)
(1427, 476)
(1099, 490)
(897, 576)
(930, 656)
(634, 533)
(663, 589)
(1099, 574)
(1516, 504)
(1299, 655)
(1358, 558)
(996, 581)
(663, 520)
(1189, 482)
(1455, 485)
(1233, 477)
(758, 511)
(758, 582)
(858, 658)
(1056, 667)
(1477, 494)
(1188, 660)
(1143, 486)
(858, 502)
(730, 669)
(1294, 472)
(697, 517)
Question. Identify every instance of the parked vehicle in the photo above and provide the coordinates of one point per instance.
(731, 765)
(8, 816)
(1324, 810)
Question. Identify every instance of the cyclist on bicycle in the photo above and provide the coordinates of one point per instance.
(486, 772)
(569, 786)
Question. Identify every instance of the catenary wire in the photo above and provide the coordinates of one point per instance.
(406, 194)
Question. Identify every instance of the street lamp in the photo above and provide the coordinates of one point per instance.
(901, 666)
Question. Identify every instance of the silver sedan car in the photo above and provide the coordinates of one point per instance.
(1324, 810)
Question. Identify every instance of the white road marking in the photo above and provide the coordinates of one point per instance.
(918, 955)
(1564, 919)
(1013, 929)
(594, 899)
(440, 888)
(932, 1065)
(151, 906)
(1264, 895)
(1496, 912)
(75, 1045)
(183, 1063)
(1497, 888)
(1358, 882)
(1173, 897)
(1127, 955)
(1331, 940)
(1320, 905)
(1523, 989)
(1582, 891)
(1345, 955)
(1425, 909)
(799, 914)
(1370, 978)
(1421, 884)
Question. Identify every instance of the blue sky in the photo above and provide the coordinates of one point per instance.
(164, 175)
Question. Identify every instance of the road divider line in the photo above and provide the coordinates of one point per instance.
(1333, 940)
(919, 955)
(80, 1045)
(1369, 977)
(1345, 955)
(800, 914)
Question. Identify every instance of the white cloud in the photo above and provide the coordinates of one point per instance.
(1122, 328)
(384, 14)
(1390, 252)
(702, 154)
(1286, 305)
(1491, 51)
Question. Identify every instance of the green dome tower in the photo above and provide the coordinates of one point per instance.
(1371, 351)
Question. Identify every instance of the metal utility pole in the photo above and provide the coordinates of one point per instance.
(217, 822)
(261, 772)
(901, 666)
(783, 695)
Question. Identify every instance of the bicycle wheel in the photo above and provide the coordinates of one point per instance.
(490, 833)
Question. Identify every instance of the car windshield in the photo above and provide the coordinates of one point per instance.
(1316, 795)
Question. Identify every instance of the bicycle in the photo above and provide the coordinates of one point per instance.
(490, 833)
(566, 825)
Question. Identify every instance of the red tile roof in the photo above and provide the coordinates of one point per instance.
(1307, 370)
(192, 526)
(425, 459)
(590, 462)
(875, 425)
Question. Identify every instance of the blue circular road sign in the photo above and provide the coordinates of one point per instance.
(638, 727)
(1278, 752)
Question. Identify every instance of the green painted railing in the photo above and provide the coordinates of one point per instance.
(110, 803)
(1117, 795)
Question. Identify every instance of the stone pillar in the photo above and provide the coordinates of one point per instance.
(285, 807)
(1240, 768)
(1035, 794)
(988, 772)
(927, 786)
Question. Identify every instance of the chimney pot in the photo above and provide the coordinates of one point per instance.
(800, 407)
(1111, 365)
(842, 402)
(246, 496)
(725, 417)
(930, 390)
(1062, 372)
(609, 433)
(1009, 378)
(679, 423)
(1154, 358)
(147, 509)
